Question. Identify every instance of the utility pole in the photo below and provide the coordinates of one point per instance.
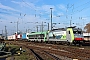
(35, 13)
(51, 18)
(37, 28)
(17, 27)
(2, 32)
(48, 26)
(42, 26)
(5, 32)
(26, 30)
(70, 23)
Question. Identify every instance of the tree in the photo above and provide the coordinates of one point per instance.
(87, 27)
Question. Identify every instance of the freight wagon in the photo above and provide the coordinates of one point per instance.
(19, 36)
(86, 36)
(1, 37)
(12, 37)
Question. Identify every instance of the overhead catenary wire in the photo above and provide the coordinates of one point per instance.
(82, 8)
(74, 9)
(30, 6)
(83, 4)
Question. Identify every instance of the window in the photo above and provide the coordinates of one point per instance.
(77, 32)
(69, 32)
(27, 35)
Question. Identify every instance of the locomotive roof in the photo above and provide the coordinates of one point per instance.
(64, 29)
(59, 29)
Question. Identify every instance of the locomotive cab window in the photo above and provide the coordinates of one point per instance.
(69, 32)
(77, 32)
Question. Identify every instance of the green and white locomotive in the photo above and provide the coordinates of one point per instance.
(63, 35)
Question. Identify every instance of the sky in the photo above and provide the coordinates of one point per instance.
(32, 13)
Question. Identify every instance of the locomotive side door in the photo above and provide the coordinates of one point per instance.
(68, 36)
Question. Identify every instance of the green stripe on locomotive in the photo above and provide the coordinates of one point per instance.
(58, 34)
(63, 37)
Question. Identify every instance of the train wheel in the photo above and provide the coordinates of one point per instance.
(41, 41)
(46, 42)
(80, 44)
(69, 44)
(55, 42)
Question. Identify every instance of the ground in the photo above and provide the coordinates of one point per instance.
(14, 49)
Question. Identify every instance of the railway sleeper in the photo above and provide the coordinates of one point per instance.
(56, 58)
(49, 55)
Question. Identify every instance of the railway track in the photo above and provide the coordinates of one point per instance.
(54, 57)
(58, 50)
(36, 55)
(46, 55)
(40, 55)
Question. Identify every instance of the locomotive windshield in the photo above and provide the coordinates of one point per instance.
(78, 33)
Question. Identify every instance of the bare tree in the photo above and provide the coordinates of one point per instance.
(87, 27)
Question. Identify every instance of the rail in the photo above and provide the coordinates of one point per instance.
(36, 55)
(54, 57)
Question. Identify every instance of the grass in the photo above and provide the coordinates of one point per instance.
(14, 49)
